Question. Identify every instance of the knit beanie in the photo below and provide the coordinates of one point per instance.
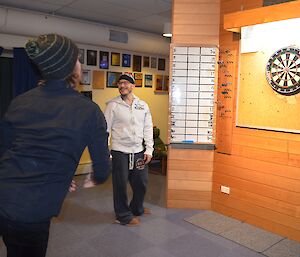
(54, 55)
(127, 77)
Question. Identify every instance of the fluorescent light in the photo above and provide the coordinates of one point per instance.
(167, 30)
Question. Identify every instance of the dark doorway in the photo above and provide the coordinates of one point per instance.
(6, 83)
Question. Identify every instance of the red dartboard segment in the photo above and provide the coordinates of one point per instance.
(283, 71)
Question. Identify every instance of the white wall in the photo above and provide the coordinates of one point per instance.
(30, 24)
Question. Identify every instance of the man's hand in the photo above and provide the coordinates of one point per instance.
(73, 186)
(147, 158)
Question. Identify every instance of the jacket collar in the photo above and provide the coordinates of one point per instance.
(53, 85)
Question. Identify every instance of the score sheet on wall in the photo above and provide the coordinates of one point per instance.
(192, 98)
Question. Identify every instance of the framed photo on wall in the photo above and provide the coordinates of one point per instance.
(138, 77)
(153, 62)
(148, 80)
(103, 60)
(81, 55)
(112, 79)
(159, 81)
(126, 60)
(165, 87)
(91, 57)
(161, 64)
(86, 77)
(137, 63)
(146, 61)
(98, 81)
(115, 59)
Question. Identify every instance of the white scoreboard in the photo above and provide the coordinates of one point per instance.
(192, 99)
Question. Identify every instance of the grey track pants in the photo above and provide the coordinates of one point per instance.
(137, 177)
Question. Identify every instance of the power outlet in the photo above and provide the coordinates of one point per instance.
(225, 190)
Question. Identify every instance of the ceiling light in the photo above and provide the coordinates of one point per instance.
(167, 32)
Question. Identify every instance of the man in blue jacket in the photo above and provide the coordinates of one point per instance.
(42, 137)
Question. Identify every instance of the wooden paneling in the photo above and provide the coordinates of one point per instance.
(189, 185)
(189, 178)
(234, 21)
(263, 169)
(187, 204)
(196, 22)
(191, 154)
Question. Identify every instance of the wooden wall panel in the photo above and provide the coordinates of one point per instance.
(196, 22)
(263, 168)
(189, 178)
(189, 175)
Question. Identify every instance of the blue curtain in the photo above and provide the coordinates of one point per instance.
(25, 74)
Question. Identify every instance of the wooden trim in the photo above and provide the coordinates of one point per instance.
(234, 21)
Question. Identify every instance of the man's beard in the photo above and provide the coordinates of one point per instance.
(125, 94)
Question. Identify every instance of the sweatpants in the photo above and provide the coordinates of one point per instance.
(24, 239)
(137, 178)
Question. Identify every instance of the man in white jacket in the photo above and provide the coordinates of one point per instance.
(130, 123)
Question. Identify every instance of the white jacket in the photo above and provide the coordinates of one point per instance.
(129, 125)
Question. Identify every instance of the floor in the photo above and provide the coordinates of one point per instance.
(85, 228)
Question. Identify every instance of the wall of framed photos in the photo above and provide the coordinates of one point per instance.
(101, 68)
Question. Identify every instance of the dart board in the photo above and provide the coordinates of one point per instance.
(283, 71)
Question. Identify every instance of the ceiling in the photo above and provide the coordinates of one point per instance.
(143, 15)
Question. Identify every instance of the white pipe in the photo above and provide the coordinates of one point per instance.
(31, 24)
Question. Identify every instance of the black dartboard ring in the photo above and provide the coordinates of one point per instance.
(283, 71)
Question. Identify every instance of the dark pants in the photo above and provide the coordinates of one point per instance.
(137, 177)
(25, 240)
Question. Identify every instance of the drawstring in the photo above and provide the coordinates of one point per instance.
(131, 161)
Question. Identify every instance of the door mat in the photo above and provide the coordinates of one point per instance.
(285, 248)
(244, 234)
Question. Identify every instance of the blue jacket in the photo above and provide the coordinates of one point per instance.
(42, 137)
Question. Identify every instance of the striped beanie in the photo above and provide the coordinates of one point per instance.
(127, 77)
(54, 55)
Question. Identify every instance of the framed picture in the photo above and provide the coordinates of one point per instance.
(112, 79)
(138, 77)
(88, 94)
(153, 63)
(159, 81)
(115, 59)
(91, 57)
(161, 84)
(98, 81)
(81, 55)
(146, 61)
(126, 60)
(86, 77)
(148, 80)
(137, 63)
(165, 83)
(103, 60)
(161, 64)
